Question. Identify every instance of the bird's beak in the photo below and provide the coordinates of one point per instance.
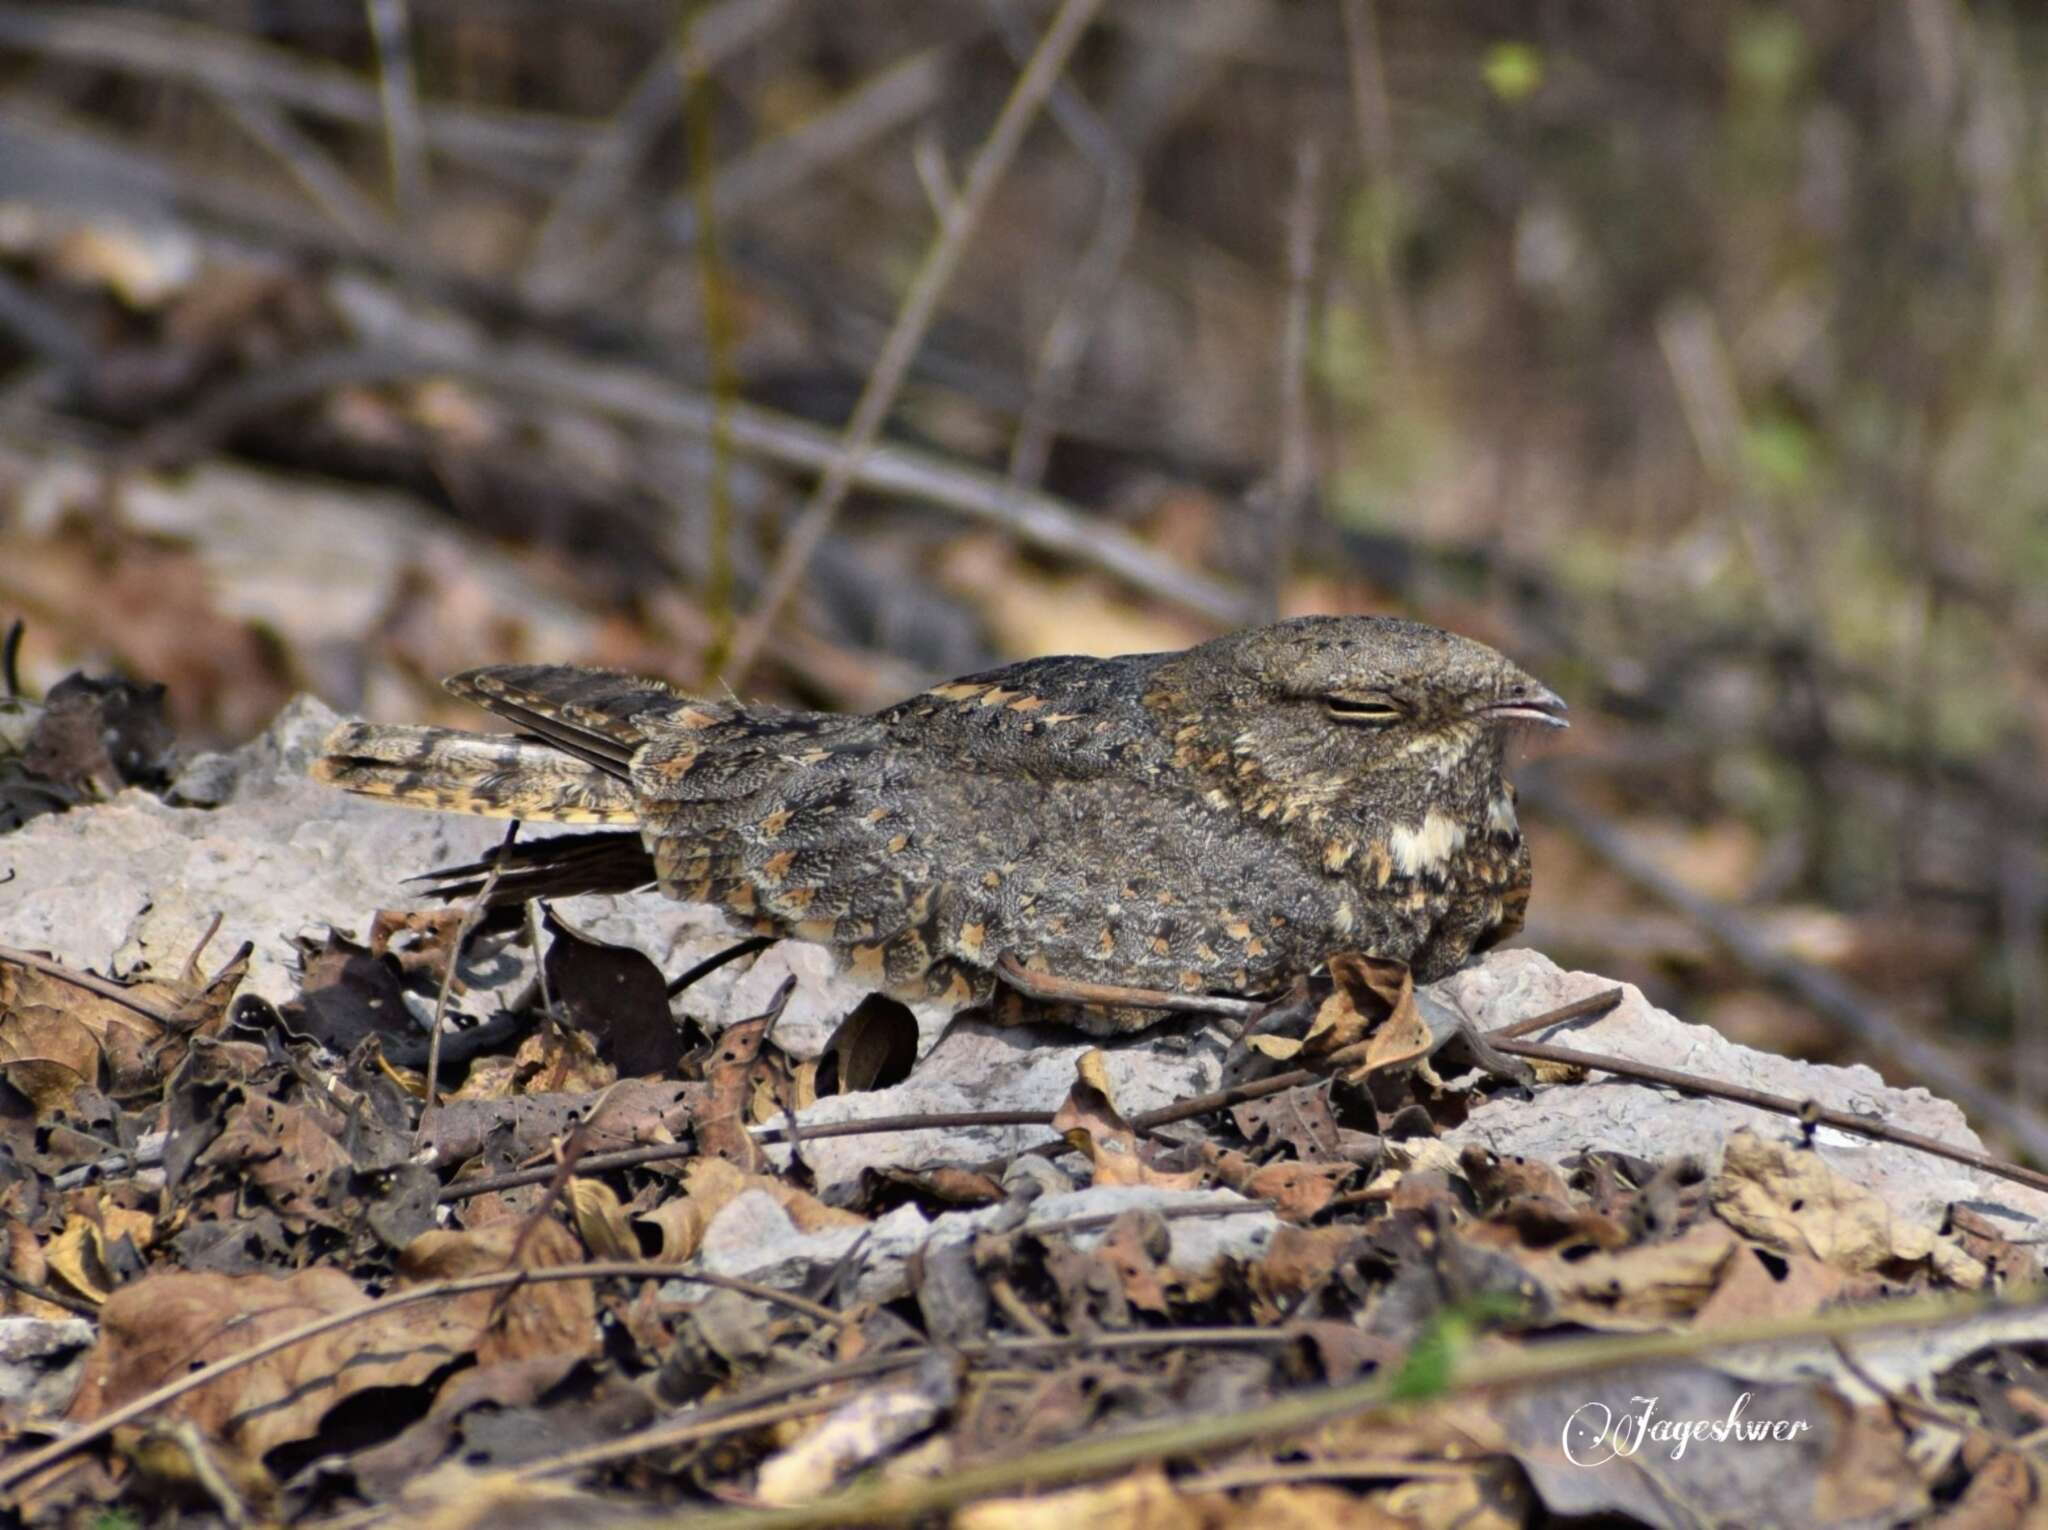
(1527, 701)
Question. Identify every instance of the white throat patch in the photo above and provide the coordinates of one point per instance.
(1428, 847)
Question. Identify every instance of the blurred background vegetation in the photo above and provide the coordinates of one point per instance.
(1690, 352)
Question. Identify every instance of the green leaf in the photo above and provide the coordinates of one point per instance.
(1513, 71)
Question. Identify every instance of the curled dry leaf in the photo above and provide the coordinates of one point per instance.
(1372, 1001)
(163, 1326)
(1094, 1127)
(725, 1106)
(286, 1154)
(709, 1184)
(872, 1048)
(557, 1060)
(1786, 1197)
(77, 1258)
(58, 1034)
(601, 1220)
(1297, 1190)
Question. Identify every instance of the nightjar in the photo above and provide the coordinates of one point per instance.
(1216, 819)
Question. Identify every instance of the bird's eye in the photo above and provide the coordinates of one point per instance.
(1370, 710)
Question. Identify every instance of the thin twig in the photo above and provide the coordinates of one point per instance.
(1294, 1078)
(1094, 277)
(1060, 990)
(206, 1471)
(1376, 142)
(920, 303)
(398, 98)
(158, 48)
(907, 1501)
(843, 129)
(472, 916)
(323, 182)
(398, 351)
(717, 959)
(602, 180)
(77, 1304)
(110, 991)
(27, 1465)
(691, 1430)
(1810, 1111)
(1856, 1014)
(715, 304)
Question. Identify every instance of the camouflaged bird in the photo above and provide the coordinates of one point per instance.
(1217, 819)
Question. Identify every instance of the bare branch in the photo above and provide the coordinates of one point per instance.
(942, 258)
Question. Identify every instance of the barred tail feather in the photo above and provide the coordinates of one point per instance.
(560, 866)
(489, 776)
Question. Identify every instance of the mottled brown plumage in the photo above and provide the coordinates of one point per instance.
(1221, 818)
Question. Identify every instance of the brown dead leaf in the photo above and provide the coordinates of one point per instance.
(1757, 1285)
(727, 1098)
(58, 1033)
(617, 997)
(948, 1183)
(556, 1318)
(77, 1257)
(47, 1053)
(1787, 1198)
(1653, 1284)
(419, 940)
(287, 1155)
(2007, 1263)
(163, 1326)
(1137, 1246)
(1095, 1128)
(1299, 1260)
(709, 1184)
(25, 1260)
(2005, 1491)
(1297, 1190)
(1301, 1119)
(1373, 1001)
(554, 1060)
(601, 1220)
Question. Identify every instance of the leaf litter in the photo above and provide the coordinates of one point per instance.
(1042, 1274)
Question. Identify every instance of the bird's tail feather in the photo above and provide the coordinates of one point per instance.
(559, 866)
(592, 713)
(490, 776)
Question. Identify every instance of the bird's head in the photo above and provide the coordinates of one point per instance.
(1324, 707)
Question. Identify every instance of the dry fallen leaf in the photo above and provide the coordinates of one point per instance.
(1646, 1286)
(601, 1220)
(858, 1433)
(162, 1326)
(709, 1184)
(554, 1318)
(1786, 1197)
(1091, 1123)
